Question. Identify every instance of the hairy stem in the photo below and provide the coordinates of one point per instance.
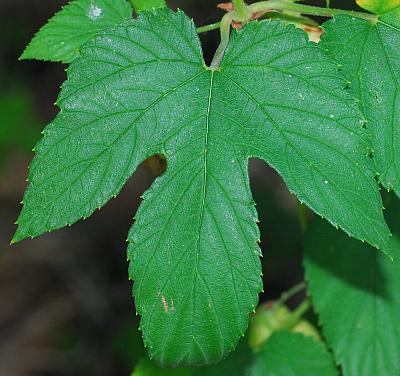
(225, 32)
(282, 5)
(241, 11)
(205, 28)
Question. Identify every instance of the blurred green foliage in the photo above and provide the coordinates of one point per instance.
(18, 123)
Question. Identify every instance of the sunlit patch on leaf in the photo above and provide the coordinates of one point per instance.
(378, 6)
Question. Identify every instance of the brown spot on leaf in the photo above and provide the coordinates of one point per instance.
(164, 303)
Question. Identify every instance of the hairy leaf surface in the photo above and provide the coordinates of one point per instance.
(63, 35)
(143, 89)
(369, 55)
(354, 289)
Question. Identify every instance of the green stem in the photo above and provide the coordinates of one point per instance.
(302, 215)
(291, 292)
(297, 314)
(225, 32)
(205, 28)
(282, 5)
(242, 13)
(301, 309)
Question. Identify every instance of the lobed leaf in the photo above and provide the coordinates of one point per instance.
(303, 124)
(62, 36)
(143, 89)
(369, 55)
(354, 289)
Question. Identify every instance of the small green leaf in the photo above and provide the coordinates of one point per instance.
(148, 368)
(284, 354)
(368, 54)
(293, 354)
(143, 5)
(63, 35)
(143, 89)
(235, 364)
(355, 291)
(378, 6)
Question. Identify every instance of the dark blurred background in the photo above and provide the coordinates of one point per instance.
(65, 298)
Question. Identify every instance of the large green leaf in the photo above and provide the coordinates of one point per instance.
(61, 38)
(292, 354)
(369, 55)
(143, 89)
(355, 290)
